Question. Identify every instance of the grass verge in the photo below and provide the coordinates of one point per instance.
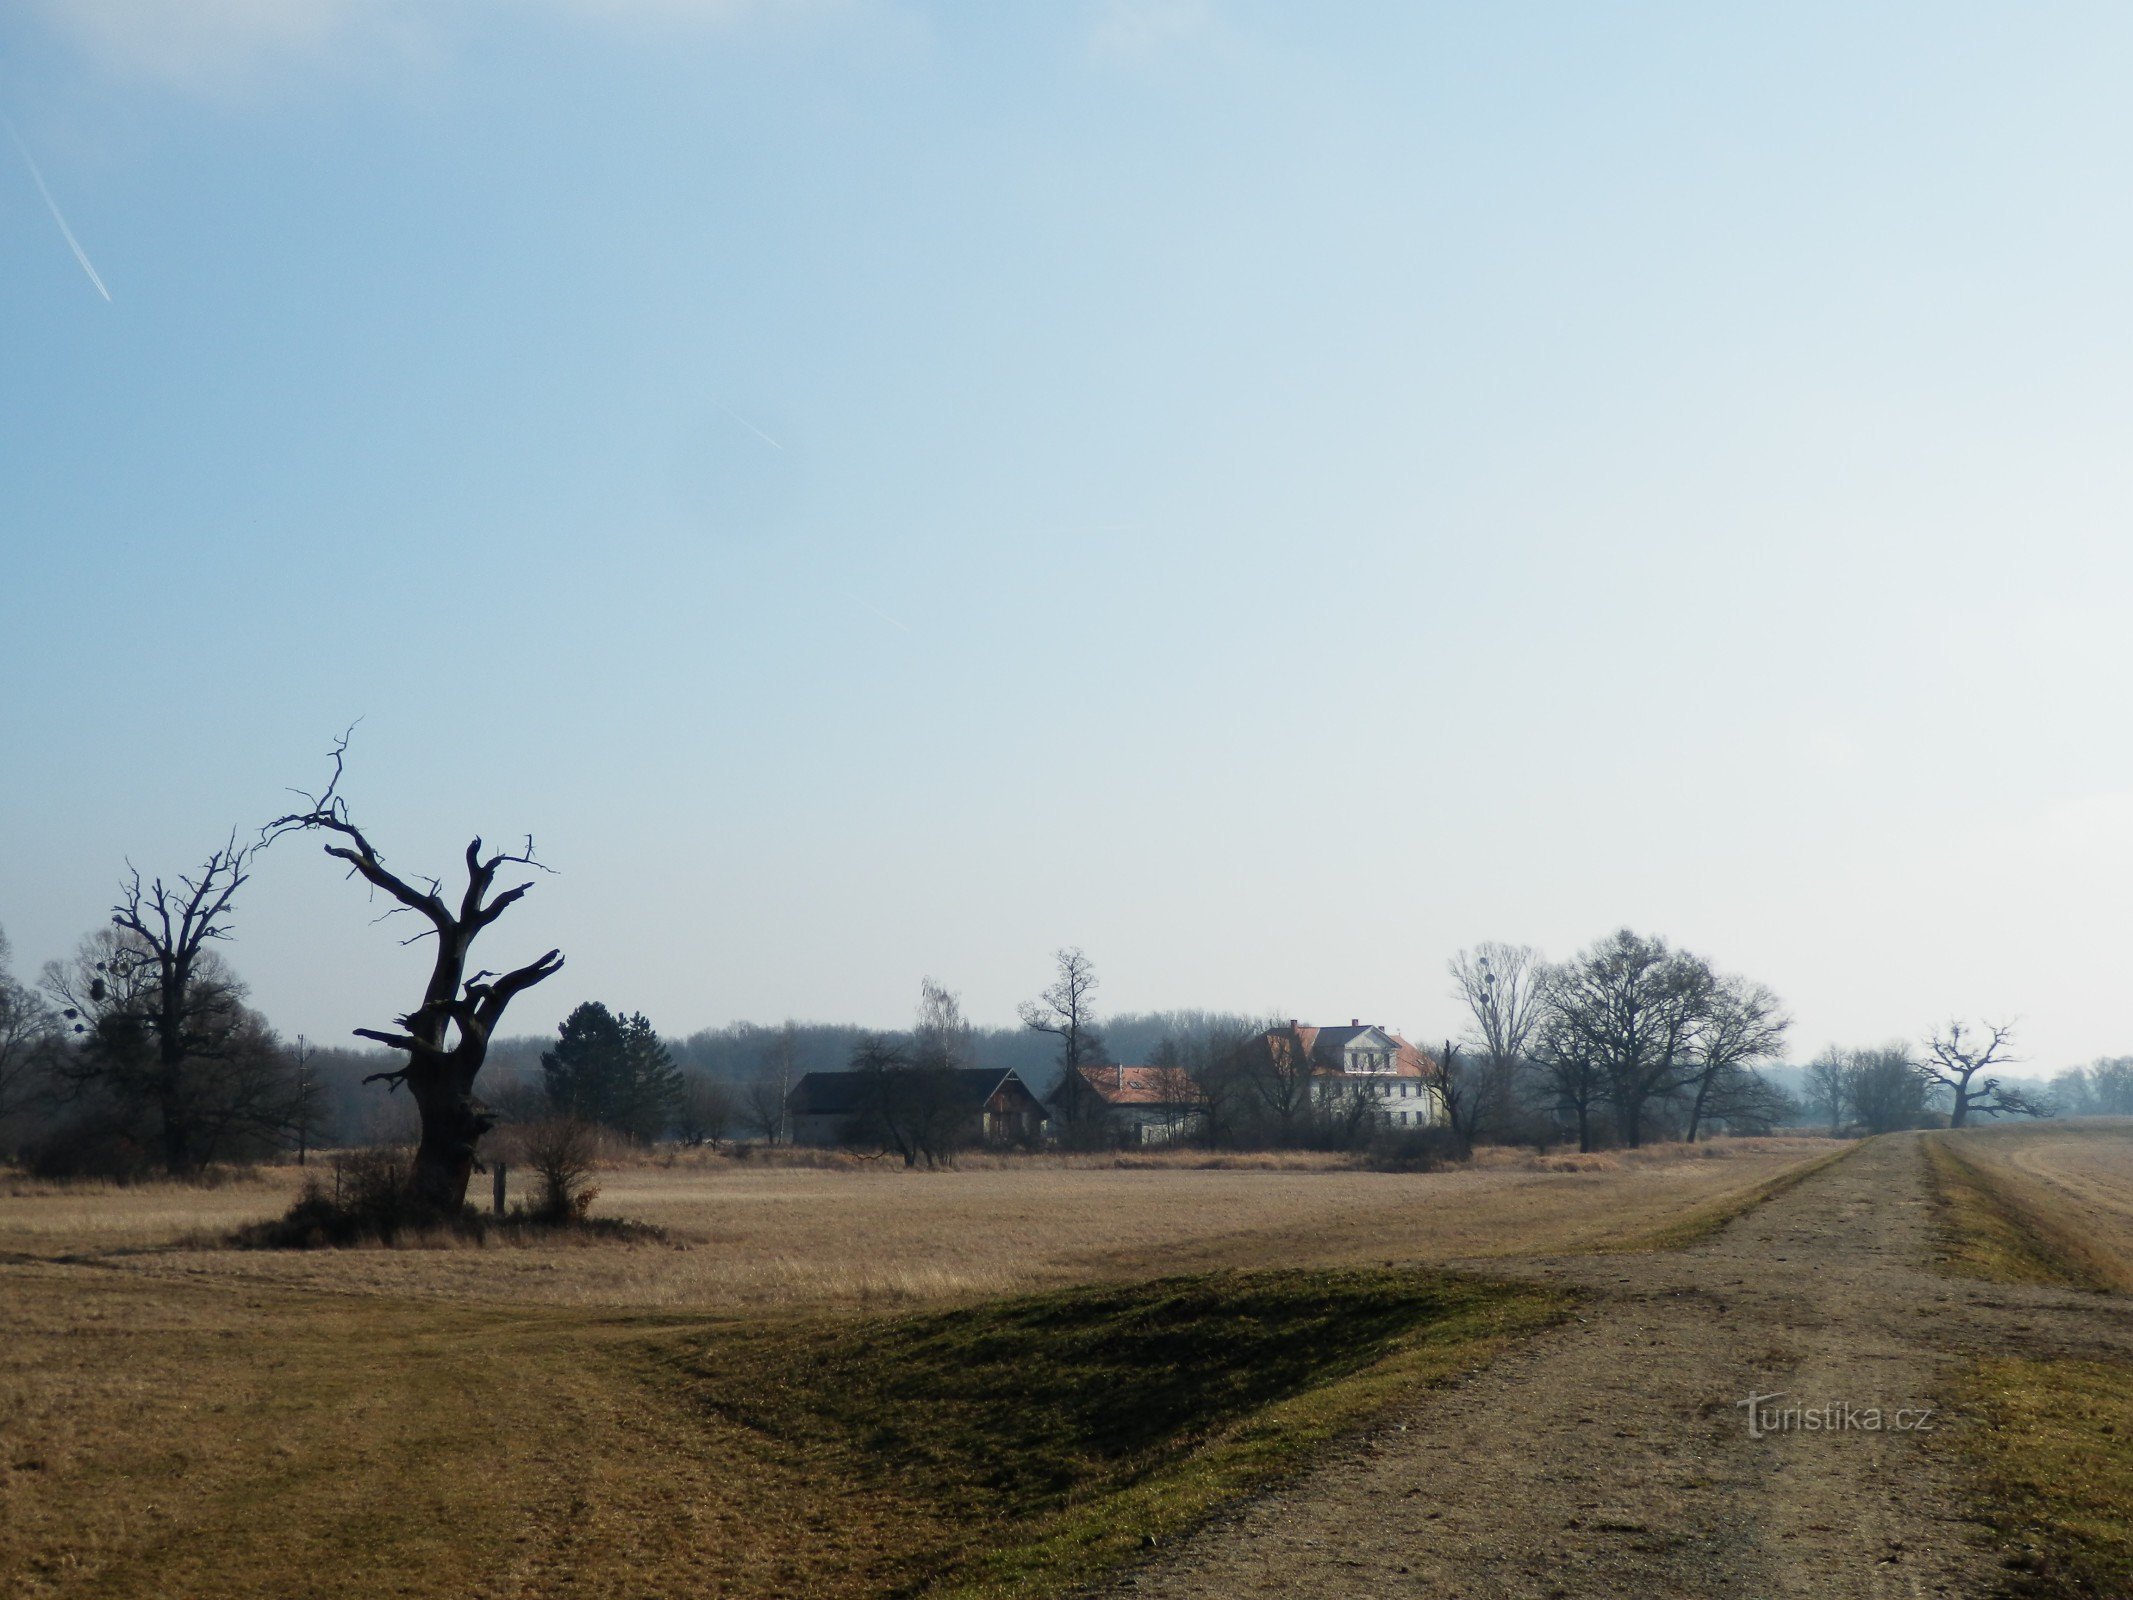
(1702, 1221)
(1029, 1445)
(2054, 1465)
(1992, 1233)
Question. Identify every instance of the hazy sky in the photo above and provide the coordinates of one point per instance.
(1269, 494)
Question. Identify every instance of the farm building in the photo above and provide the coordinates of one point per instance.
(994, 1106)
(1144, 1105)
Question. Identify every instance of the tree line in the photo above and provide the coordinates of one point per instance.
(140, 1051)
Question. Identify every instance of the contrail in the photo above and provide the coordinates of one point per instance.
(891, 621)
(735, 415)
(52, 206)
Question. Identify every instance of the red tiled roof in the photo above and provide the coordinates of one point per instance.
(1132, 1086)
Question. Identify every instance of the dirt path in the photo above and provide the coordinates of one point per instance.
(1612, 1456)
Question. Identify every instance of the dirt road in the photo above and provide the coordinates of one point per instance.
(1614, 1456)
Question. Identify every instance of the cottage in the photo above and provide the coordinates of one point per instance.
(989, 1105)
(1142, 1105)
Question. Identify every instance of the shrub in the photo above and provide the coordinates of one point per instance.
(370, 1199)
(562, 1152)
(1414, 1150)
(89, 1150)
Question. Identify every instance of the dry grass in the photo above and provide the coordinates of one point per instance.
(2038, 1203)
(755, 1238)
(2055, 1473)
(179, 1419)
(2049, 1204)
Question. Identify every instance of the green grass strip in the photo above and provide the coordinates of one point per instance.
(1041, 1441)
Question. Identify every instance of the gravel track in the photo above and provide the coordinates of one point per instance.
(1611, 1456)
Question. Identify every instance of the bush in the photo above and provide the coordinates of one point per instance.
(370, 1199)
(562, 1153)
(89, 1150)
(1414, 1150)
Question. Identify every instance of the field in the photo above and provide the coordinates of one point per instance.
(710, 1415)
(841, 1379)
(755, 1237)
(2049, 1206)
(2042, 1204)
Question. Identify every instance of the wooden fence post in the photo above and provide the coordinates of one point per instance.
(499, 1169)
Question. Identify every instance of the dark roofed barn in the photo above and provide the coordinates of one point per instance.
(833, 1108)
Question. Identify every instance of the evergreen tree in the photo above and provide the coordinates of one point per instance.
(649, 1091)
(582, 1070)
(613, 1070)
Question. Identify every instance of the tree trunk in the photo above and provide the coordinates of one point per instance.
(453, 1122)
(175, 1115)
(1584, 1129)
(1703, 1089)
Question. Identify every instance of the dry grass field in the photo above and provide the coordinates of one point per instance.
(653, 1419)
(2048, 1205)
(754, 1237)
(2063, 1194)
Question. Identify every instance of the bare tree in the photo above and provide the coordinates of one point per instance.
(1634, 1006)
(942, 1034)
(1571, 1068)
(2111, 1086)
(563, 1153)
(1826, 1087)
(191, 1080)
(1885, 1089)
(445, 1038)
(907, 1103)
(763, 1110)
(1179, 1096)
(1224, 1062)
(1502, 988)
(183, 1011)
(1954, 1058)
(708, 1110)
(1282, 1077)
(307, 1101)
(1066, 1011)
(1742, 1023)
(766, 1100)
(1461, 1090)
(27, 1028)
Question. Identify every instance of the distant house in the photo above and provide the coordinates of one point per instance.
(1141, 1105)
(992, 1106)
(1342, 1069)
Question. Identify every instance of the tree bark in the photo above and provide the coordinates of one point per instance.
(453, 1122)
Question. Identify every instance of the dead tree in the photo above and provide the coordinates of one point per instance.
(1953, 1060)
(446, 1038)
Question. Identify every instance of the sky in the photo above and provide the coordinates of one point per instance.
(1270, 495)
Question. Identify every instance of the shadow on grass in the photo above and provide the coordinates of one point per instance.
(1041, 1440)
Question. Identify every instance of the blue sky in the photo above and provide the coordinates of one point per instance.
(1268, 494)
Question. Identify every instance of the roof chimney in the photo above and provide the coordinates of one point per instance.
(1120, 1068)
(1355, 1022)
(1292, 1024)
